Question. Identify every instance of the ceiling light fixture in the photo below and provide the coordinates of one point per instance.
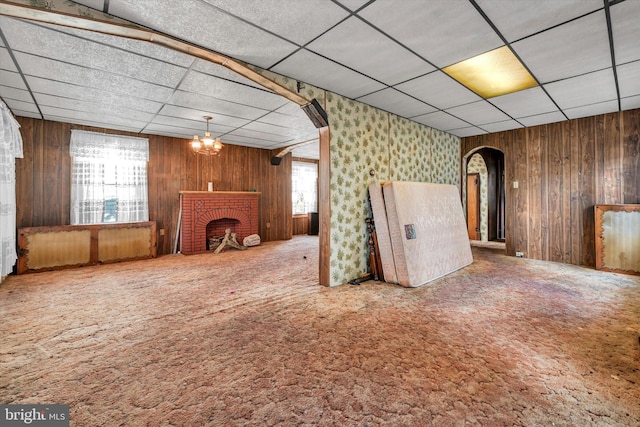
(493, 73)
(207, 145)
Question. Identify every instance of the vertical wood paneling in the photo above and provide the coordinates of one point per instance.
(611, 144)
(300, 225)
(506, 145)
(43, 180)
(534, 181)
(563, 170)
(587, 189)
(544, 192)
(555, 192)
(51, 161)
(576, 211)
(37, 216)
(631, 156)
(152, 185)
(521, 220)
(566, 219)
(24, 174)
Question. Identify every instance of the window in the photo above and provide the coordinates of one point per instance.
(109, 178)
(304, 186)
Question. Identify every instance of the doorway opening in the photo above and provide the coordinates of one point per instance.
(484, 190)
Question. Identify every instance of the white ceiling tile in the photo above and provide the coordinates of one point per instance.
(6, 63)
(92, 107)
(439, 90)
(156, 129)
(250, 141)
(500, 126)
(271, 129)
(48, 68)
(517, 19)
(443, 32)
(353, 4)
(629, 79)
(396, 102)
(192, 127)
(22, 113)
(259, 137)
(204, 25)
(217, 70)
(309, 151)
(283, 17)
(626, 31)
(213, 106)
(573, 92)
(12, 79)
(369, 52)
(226, 90)
(140, 47)
(27, 106)
(292, 109)
(592, 110)
(179, 131)
(578, 47)
(468, 131)
(478, 113)
(44, 42)
(7, 92)
(91, 119)
(541, 119)
(308, 67)
(293, 122)
(525, 103)
(630, 103)
(197, 116)
(441, 120)
(67, 90)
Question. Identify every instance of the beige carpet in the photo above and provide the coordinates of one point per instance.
(249, 338)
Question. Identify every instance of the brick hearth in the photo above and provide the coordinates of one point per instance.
(199, 208)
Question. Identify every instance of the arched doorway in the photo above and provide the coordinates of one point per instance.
(484, 194)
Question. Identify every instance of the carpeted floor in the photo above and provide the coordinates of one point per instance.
(249, 338)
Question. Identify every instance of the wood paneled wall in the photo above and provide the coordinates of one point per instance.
(563, 169)
(300, 224)
(43, 179)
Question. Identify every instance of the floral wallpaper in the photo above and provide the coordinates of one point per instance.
(365, 140)
(370, 145)
(477, 165)
(359, 148)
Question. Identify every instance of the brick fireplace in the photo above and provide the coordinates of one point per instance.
(237, 210)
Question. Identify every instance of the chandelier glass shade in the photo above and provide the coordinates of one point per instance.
(206, 145)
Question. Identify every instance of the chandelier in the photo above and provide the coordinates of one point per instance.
(207, 145)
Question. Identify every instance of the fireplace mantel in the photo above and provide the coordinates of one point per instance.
(199, 208)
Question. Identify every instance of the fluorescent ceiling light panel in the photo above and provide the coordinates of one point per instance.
(493, 73)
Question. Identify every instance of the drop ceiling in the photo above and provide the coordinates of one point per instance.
(390, 54)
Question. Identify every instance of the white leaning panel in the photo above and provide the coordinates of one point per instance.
(427, 231)
(382, 232)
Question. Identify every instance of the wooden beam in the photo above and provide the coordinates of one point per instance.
(324, 204)
(286, 150)
(116, 27)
